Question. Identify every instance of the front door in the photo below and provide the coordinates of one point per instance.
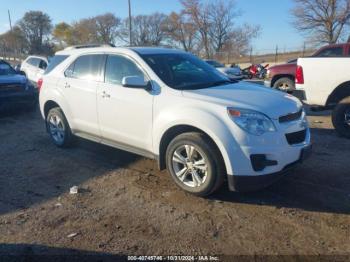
(125, 114)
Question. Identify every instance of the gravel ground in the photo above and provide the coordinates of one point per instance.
(126, 206)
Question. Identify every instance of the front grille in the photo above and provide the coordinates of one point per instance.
(291, 117)
(296, 137)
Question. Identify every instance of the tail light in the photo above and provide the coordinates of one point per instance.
(299, 75)
(40, 84)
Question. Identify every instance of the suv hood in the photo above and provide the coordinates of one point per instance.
(13, 79)
(249, 96)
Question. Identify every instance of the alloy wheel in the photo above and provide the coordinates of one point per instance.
(284, 87)
(56, 128)
(190, 166)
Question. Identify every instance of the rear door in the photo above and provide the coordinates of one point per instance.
(79, 88)
(41, 69)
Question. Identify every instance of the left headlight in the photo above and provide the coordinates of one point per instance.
(251, 121)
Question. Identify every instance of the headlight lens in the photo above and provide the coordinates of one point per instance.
(251, 121)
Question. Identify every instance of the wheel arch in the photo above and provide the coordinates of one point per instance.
(340, 92)
(49, 105)
(174, 131)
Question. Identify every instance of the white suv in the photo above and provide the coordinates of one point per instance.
(171, 106)
(34, 67)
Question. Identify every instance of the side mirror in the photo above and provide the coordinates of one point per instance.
(21, 73)
(136, 82)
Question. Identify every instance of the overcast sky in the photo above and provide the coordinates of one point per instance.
(272, 15)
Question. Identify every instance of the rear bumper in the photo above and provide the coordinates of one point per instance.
(18, 100)
(252, 183)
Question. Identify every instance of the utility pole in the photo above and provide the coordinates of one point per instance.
(276, 54)
(8, 11)
(251, 55)
(130, 25)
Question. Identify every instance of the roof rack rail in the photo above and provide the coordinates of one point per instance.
(88, 46)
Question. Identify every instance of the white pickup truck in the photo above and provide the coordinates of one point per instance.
(324, 83)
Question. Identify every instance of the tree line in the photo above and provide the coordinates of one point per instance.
(205, 28)
(202, 27)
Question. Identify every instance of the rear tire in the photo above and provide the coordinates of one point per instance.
(284, 84)
(195, 164)
(341, 117)
(58, 128)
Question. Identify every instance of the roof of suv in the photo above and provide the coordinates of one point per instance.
(139, 50)
(37, 56)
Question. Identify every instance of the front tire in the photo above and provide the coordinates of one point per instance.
(195, 164)
(58, 128)
(341, 117)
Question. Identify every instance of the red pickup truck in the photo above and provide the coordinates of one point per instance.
(282, 76)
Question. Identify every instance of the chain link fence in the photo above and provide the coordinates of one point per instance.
(261, 56)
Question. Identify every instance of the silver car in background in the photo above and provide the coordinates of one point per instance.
(234, 73)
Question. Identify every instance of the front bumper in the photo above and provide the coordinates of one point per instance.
(252, 183)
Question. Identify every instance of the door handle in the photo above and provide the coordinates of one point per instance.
(66, 85)
(105, 95)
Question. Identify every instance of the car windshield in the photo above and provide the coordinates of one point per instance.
(184, 71)
(214, 63)
(6, 69)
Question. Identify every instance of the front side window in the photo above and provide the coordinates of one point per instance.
(86, 67)
(184, 71)
(331, 52)
(118, 67)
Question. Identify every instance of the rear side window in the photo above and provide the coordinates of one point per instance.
(87, 67)
(331, 52)
(118, 67)
(34, 62)
(55, 61)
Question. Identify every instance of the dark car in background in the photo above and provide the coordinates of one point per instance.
(16, 91)
(282, 76)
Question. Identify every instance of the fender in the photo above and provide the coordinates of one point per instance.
(55, 95)
(203, 120)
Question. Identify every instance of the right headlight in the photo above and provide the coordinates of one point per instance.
(253, 122)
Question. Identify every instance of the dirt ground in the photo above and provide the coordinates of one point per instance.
(127, 207)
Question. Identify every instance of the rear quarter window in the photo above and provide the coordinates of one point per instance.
(331, 52)
(33, 61)
(54, 62)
